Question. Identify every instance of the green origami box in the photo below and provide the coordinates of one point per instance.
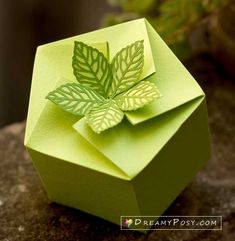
(135, 168)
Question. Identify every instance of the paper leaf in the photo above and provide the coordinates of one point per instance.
(76, 98)
(127, 66)
(91, 68)
(138, 96)
(104, 117)
(103, 92)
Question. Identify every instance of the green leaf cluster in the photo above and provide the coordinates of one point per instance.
(174, 20)
(104, 90)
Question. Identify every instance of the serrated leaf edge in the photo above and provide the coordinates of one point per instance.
(113, 90)
(117, 98)
(103, 91)
(87, 92)
(90, 113)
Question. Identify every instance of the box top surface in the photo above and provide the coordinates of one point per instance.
(46, 122)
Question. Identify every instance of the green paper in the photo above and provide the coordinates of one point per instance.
(104, 116)
(174, 82)
(49, 70)
(129, 169)
(138, 96)
(100, 91)
(132, 148)
(127, 66)
(91, 68)
(76, 98)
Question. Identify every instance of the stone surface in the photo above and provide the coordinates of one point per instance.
(27, 214)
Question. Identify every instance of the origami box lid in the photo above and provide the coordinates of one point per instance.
(49, 129)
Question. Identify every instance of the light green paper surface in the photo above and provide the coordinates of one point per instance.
(129, 169)
(177, 87)
(50, 67)
(88, 190)
(173, 80)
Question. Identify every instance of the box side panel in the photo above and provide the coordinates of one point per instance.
(99, 194)
(175, 165)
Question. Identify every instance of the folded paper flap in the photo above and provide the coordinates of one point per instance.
(48, 64)
(54, 136)
(174, 82)
(51, 68)
(117, 37)
(132, 147)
